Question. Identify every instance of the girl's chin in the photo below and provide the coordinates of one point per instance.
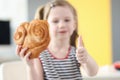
(63, 37)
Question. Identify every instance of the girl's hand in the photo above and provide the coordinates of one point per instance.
(81, 52)
(25, 58)
(86, 61)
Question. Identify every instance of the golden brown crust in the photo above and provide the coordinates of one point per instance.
(33, 35)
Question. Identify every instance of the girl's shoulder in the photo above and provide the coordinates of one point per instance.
(45, 52)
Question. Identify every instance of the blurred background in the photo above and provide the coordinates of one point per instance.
(99, 25)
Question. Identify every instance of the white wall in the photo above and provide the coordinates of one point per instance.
(17, 12)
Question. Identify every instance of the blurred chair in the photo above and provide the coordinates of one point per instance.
(14, 70)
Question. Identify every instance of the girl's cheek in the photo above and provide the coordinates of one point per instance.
(54, 28)
(52, 31)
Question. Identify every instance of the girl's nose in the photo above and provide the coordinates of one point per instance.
(62, 24)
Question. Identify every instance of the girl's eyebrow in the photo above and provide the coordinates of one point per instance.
(55, 18)
(67, 17)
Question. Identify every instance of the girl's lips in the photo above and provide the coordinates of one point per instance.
(62, 31)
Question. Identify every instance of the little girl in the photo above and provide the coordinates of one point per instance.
(61, 60)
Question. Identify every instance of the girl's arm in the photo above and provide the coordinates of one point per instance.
(35, 72)
(33, 66)
(86, 61)
(90, 66)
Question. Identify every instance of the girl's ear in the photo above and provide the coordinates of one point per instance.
(39, 13)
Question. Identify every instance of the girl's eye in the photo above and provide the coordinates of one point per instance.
(55, 21)
(67, 20)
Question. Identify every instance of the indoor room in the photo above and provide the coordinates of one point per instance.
(98, 24)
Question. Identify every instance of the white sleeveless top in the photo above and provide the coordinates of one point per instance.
(60, 69)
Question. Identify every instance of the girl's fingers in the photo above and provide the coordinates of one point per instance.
(81, 56)
(81, 50)
(82, 59)
(18, 48)
(22, 53)
(80, 42)
(27, 56)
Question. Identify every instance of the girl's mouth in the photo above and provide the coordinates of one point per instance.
(62, 31)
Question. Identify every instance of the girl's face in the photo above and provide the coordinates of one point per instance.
(61, 22)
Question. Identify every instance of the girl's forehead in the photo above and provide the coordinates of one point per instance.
(61, 7)
(60, 10)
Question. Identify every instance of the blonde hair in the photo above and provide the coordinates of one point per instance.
(43, 13)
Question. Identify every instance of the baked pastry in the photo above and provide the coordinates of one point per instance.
(34, 35)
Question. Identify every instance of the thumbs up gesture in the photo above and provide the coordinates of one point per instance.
(81, 52)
